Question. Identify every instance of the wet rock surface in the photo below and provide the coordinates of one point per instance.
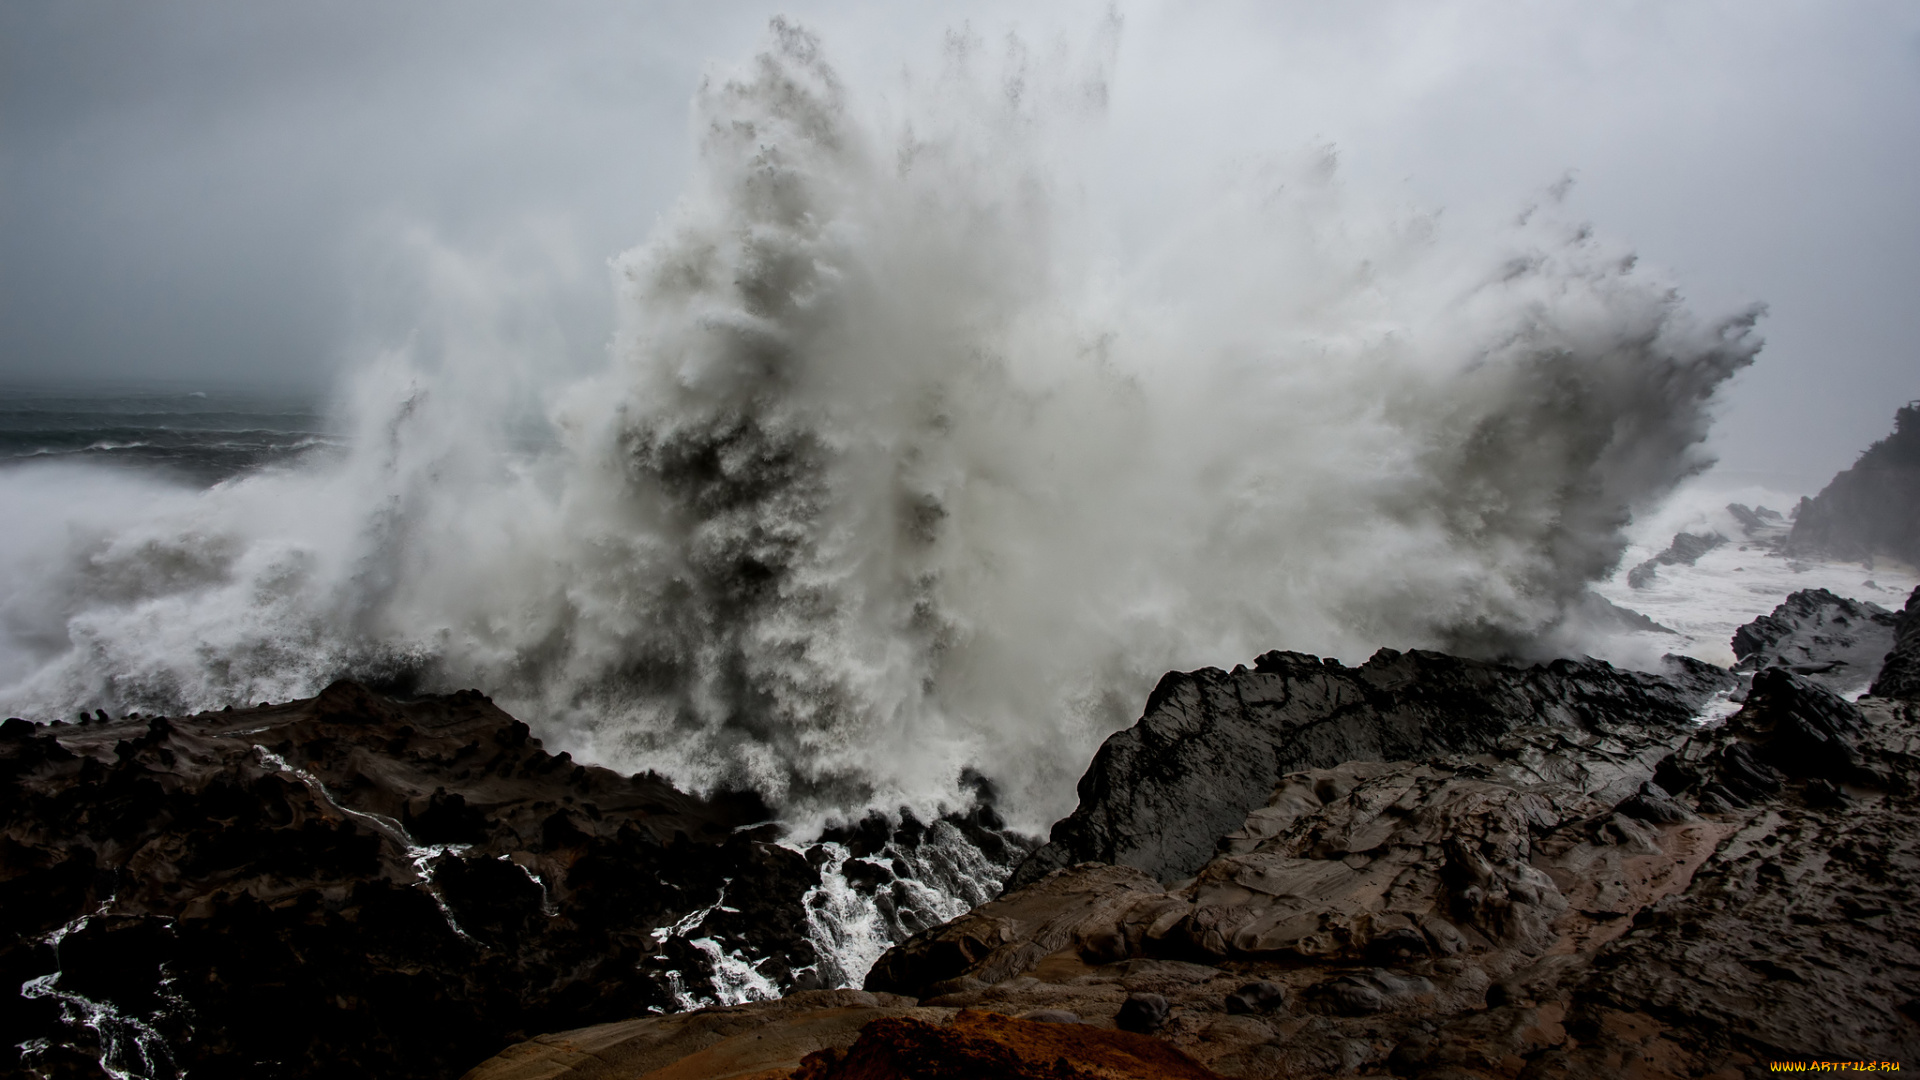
(1212, 744)
(1749, 898)
(351, 885)
(1685, 550)
(1899, 677)
(1594, 892)
(1498, 872)
(1837, 642)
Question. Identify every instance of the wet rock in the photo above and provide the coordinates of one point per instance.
(1653, 804)
(1211, 745)
(1899, 677)
(1143, 1012)
(1564, 899)
(1759, 523)
(1006, 936)
(1257, 997)
(1827, 639)
(351, 884)
(1685, 550)
(1801, 728)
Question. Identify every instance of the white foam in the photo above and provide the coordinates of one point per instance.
(130, 1047)
(1734, 583)
(940, 878)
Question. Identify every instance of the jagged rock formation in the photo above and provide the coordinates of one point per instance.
(1588, 893)
(1900, 676)
(1760, 523)
(1751, 898)
(1834, 641)
(1212, 744)
(350, 885)
(1872, 508)
(1685, 550)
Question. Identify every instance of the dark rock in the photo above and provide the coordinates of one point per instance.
(351, 885)
(1257, 997)
(1398, 946)
(1143, 1012)
(1211, 745)
(1350, 996)
(1758, 522)
(1899, 677)
(1685, 550)
(1652, 803)
(1803, 729)
(1748, 776)
(1872, 508)
(1836, 642)
(1371, 992)
(1006, 936)
(1051, 1016)
(1824, 793)
(1573, 924)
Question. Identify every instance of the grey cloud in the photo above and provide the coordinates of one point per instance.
(201, 189)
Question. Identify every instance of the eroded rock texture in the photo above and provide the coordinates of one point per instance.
(1212, 744)
(1593, 885)
(1837, 642)
(350, 885)
(1900, 676)
(1685, 550)
(1648, 899)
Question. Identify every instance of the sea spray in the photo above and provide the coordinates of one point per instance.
(903, 467)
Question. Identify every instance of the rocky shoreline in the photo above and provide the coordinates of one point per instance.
(1421, 866)
(1575, 887)
(354, 883)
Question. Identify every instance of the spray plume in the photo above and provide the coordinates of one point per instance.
(899, 471)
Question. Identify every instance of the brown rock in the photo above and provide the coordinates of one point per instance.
(983, 1045)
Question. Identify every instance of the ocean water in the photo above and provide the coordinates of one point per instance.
(195, 437)
(1701, 605)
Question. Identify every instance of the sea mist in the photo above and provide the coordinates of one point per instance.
(904, 469)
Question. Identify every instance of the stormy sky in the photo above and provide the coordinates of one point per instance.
(233, 192)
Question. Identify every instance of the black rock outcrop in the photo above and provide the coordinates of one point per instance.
(1760, 523)
(1685, 550)
(1505, 913)
(355, 886)
(1900, 675)
(1212, 744)
(1872, 508)
(1837, 642)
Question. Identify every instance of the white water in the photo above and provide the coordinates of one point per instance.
(130, 1047)
(902, 464)
(1732, 584)
(946, 876)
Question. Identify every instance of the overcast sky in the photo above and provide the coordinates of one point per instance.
(221, 191)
